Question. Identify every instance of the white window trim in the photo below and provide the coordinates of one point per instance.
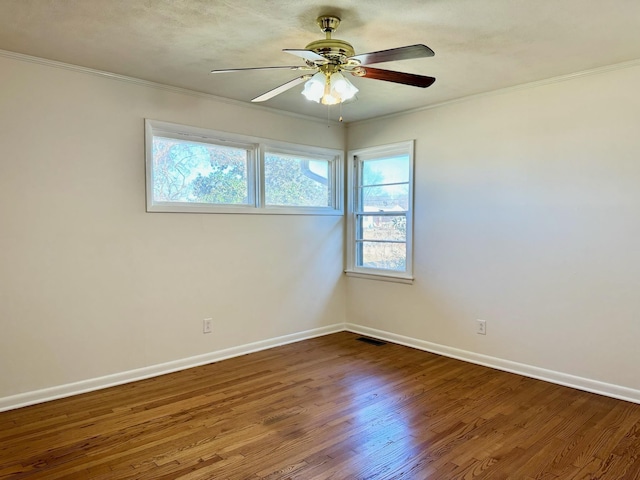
(258, 146)
(352, 269)
(335, 173)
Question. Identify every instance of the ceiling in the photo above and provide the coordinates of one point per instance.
(480, 46)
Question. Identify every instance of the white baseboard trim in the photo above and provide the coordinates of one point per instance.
(61, 391)
(565, 379)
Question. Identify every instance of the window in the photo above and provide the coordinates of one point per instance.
(294, 180)
(381, 212)
(196, 170)
(200, 173)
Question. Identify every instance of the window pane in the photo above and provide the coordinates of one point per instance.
(392, 198)
(296, 181)
(198, 172)
(386, 256)
(380, 220)
(382, 227)
(386, 170)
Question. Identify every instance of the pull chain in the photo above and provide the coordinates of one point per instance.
(329, 115)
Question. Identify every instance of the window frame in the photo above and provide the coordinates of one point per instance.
(354, 183)
(257, 148)
(334, 172)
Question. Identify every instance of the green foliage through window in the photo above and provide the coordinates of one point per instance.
(295, 181)
(197, 170)
(199, 173)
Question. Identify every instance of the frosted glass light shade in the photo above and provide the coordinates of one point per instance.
(341, 87)
(329, 90)
(314, 87)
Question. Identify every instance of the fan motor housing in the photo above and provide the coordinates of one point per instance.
(332, 48)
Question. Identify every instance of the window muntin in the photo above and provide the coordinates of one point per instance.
(380, 230)
(197, 170)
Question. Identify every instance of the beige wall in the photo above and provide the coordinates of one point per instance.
(527, 215)
(527, 208)
(90, 284)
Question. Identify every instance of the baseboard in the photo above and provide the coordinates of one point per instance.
(567, 380)
(61, 391)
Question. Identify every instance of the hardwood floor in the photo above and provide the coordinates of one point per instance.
(327, 408)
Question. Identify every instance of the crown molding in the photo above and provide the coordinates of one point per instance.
(209, 96)
(161, 86)
(514, 88)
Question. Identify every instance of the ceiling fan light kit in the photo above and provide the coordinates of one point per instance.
(330, 57)
(329, 89)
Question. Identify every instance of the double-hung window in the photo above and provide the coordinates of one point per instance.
(380, 221)
(197, 170)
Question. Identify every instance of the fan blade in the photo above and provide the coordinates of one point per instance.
(397, 77)
(282, 88)
(229, 70)
(400, 53)
(306, 54)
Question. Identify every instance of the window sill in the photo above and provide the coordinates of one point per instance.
(167, 207)
(381, 277)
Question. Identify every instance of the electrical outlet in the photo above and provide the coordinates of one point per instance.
(481, 327)
(207, 325)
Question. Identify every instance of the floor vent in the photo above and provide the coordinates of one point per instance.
(371, 341)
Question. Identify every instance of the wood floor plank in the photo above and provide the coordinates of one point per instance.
(328, 407)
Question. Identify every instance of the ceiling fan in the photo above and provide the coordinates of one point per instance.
(330, 57)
